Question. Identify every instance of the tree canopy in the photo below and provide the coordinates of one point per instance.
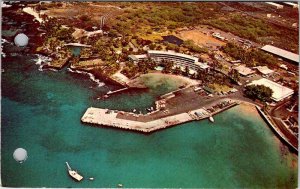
(249, 57)
(260, 92)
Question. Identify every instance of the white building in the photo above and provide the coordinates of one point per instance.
(244, 71)
(136, 58)
(281, 52)
(264, 70)
(294, 5)
(277, 6)
(283, 66)
(218, 36)
(280, 92)
(179, 59)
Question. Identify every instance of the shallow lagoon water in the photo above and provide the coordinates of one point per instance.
(41, 112)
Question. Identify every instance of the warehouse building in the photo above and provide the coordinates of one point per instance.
(281, 53)
(244, 71)
(280, 92)
(277, 6)
(264, 70)
(293, 5)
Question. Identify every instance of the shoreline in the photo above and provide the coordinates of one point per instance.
(274, 128)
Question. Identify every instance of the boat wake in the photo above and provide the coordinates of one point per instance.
(92, 77)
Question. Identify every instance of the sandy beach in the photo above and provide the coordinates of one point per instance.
(248, 109)
(153, 80)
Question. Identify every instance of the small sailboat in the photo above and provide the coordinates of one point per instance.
(211, 119)
(74, 174)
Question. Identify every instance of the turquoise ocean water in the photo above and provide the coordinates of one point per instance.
(41, 112)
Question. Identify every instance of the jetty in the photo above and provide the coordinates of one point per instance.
(123, 120)
(116, 91)
(74, 174)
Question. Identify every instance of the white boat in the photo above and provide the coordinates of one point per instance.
(211, 119)
(91, 178)
(120, 185)
(74, 174)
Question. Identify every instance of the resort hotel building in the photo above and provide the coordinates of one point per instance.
(179, 59)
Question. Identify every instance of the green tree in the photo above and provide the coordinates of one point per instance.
(260, 92)
(168, 66)
(187, 71)
(177, 71)
(234, 74)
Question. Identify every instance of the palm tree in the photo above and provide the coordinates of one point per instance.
(187, 71)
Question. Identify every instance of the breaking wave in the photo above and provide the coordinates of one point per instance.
(92, 77)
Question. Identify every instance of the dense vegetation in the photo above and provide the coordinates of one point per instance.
(106, 70)
(131, 69)
(249, 28)
(148, 17)
(251, 57)
(260, 92)
(138, 26)
(234, 74)
(189, 44)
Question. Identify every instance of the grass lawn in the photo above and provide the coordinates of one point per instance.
(219, 87)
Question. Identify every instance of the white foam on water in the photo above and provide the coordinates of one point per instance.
(3, 5)
(4, 41)
(42, 61)
(92, 77)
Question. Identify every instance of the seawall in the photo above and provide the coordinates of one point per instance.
(282, 137)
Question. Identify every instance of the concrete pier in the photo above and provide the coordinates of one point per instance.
(110, 118)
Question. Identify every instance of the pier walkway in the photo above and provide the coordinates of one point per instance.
(110, 118)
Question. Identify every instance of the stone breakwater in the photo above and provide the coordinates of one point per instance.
(106, 117)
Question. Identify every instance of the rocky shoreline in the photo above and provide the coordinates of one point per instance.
(31, 27)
